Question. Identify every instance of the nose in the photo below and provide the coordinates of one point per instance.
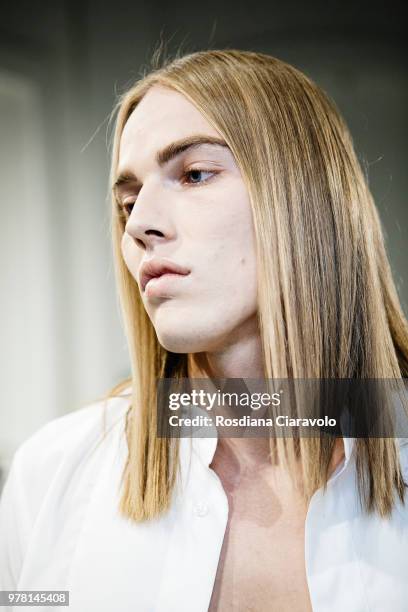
(149, 223)
(145, 236)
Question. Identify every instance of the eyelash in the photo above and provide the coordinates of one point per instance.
(124, 206)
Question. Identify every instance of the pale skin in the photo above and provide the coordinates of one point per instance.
(194, 209)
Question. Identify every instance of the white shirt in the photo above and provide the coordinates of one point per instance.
(60, 529)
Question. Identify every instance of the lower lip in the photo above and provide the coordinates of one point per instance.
(161, 285)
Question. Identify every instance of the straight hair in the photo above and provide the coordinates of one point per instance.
(327, 303)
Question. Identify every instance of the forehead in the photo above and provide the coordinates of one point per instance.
(162, 116)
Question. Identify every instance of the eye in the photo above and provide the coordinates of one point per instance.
(126, 208)
(197, 176)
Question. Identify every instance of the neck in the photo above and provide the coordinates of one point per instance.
(239, 358)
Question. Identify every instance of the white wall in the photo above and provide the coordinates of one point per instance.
(27, 350)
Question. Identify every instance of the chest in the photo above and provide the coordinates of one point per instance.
(262, 562)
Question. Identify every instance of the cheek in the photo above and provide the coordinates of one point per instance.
(240, 244)
(131, 255)
(233, 238)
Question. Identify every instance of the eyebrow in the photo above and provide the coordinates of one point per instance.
(171, 151)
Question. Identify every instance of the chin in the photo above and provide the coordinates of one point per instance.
(179, 332)
(186, 339)
(180, 343)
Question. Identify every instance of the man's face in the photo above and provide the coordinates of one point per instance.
(189, 207)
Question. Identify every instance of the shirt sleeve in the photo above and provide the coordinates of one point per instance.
(56, 451)
(14, 527)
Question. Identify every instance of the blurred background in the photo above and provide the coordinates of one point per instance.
(62, 64)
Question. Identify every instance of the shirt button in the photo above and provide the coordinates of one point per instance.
(201, 509)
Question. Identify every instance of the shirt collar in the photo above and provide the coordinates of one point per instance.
(205, 447)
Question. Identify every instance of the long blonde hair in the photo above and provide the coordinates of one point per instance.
(328, 307)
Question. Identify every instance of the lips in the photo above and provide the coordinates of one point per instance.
(156, 267)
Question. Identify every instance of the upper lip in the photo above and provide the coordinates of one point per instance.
(158, 266)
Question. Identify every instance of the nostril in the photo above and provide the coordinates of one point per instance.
(155, 232)
(140, 243)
